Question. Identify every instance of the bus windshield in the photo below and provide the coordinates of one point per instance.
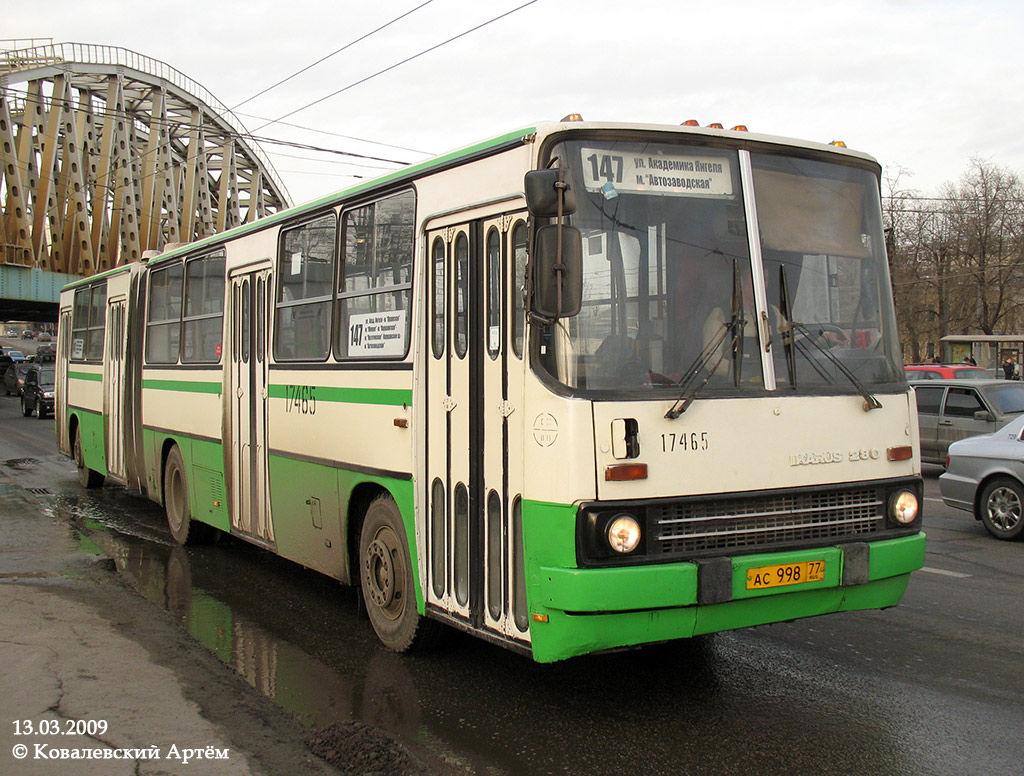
(673, 295)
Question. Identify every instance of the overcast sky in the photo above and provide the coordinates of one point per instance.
(922, 85)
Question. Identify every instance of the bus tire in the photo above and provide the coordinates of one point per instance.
(184, 529)
(385, 576)
(87, 478)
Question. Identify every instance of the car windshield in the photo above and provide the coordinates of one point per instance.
(671, 292)
(46, 378)
(1008, 398)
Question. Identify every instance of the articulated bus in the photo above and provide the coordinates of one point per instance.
(581, 387)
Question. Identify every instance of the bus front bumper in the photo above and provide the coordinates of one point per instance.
(588, 610)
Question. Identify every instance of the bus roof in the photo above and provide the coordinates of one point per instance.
(488, 147)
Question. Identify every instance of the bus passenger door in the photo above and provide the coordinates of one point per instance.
(473, 456)
(113, 381)
(246, 395)
(60, 405)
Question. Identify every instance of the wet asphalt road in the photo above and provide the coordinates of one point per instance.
(934, 686)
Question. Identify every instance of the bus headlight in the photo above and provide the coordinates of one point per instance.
(903, 507)
(623, 534)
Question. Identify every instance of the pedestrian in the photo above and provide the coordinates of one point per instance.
(1009, 368)
(969, 359)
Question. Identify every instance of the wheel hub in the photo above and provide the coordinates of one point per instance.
(380, 573)
(1004, 509)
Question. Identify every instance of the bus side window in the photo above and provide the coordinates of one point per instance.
(305, 272)
(163, 323)
(375, 281)
(204, 310)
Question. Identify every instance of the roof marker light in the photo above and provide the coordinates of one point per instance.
(838, 144)
(740, 128)
(691, 123)
(716, 125)
(573, 117)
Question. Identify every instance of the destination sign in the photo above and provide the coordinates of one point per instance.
(613, 173)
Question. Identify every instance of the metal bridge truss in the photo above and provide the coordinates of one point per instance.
(106, 154)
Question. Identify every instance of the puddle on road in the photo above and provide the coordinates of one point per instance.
(164, 574)
(470, 707)
(225, 595)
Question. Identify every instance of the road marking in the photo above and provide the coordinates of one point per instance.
(945, 573)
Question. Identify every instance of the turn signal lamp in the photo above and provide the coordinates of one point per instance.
(902, 453)
(621, 472)
(573, 117)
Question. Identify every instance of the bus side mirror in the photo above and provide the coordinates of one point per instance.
(553, 279)
(542, 187)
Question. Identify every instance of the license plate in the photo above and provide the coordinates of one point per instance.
(785, 574)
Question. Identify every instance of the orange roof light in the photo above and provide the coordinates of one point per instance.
(572, 117)
(740, 128)
(691, 123)
(716, 125)
(838, 144)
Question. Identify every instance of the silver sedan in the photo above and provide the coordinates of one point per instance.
(985, 476)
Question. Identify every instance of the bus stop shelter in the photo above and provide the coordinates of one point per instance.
(989, 350)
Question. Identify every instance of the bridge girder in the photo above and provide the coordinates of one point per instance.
(106, 154)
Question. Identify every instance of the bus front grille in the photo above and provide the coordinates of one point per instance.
(747, 524)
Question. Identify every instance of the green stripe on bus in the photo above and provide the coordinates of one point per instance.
(184, 386)
(93, 376)
(391, 397)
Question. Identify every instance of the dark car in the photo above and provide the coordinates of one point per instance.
(37, 397)
(917, 372)
(14, 378)
(948, 410)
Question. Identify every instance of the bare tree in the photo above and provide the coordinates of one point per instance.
(957, 259)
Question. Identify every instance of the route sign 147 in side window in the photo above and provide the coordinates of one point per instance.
(377, 334)
(682, 175)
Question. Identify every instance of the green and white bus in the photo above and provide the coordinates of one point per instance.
(580, 387)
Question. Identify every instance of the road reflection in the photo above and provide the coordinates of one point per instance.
(729, 704)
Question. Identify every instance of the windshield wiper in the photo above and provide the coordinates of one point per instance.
(791, 344)
(870, 402)
(735, 325)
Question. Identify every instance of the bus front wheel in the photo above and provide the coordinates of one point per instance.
(87, 478)
(176, 503)
(385, 574)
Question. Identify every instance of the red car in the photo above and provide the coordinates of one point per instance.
(918, 372)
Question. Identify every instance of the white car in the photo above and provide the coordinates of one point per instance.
(985, 476)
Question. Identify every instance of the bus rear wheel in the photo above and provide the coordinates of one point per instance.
(176, 503)
(87, 478)
(385, 575)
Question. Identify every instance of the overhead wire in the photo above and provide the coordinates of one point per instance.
(338, 51)
(395, 65)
